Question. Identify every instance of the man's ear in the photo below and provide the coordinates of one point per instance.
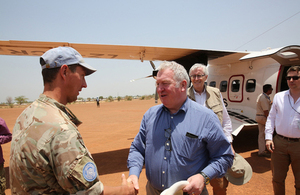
(206, 76)
(64, 71)
(183, 85)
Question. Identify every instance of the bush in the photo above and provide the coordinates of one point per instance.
(110, 99)
(128, 98)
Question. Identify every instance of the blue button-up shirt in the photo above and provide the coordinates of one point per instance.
(197, 144)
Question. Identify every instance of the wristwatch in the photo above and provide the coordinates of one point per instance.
(206, 178)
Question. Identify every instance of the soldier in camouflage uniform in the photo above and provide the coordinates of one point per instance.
(48, 155)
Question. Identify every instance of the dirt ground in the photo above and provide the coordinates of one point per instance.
(108, 131)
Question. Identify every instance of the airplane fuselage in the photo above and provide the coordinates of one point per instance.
(241, 82)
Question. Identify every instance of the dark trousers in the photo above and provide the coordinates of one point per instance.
(286, 153)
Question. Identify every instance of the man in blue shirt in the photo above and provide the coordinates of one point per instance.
(178, 140)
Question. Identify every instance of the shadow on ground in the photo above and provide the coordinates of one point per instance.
(112, 161)
(246, 141)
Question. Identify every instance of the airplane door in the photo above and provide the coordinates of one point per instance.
(235, 92)
(287, 57)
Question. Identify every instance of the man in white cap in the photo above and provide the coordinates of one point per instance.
(48, 155)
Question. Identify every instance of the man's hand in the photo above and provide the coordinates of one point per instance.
(196, 184)
(270, 145)
(127, 187)
(135, 181)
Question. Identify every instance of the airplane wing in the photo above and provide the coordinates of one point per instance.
(239, 122)
(182, 56)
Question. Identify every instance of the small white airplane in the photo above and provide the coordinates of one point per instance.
(239, 75)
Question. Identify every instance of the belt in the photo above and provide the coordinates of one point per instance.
(260, 115)
(289, 139)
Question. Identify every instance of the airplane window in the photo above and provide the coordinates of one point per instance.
(235, 85)
(212, 84)
(223, 86)
(250, 85)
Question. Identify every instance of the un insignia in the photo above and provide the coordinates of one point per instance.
(89, 171)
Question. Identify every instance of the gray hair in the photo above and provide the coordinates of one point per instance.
(180, 73)
(195, 66)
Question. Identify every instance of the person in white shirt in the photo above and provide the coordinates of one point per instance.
(211, 98)
(284, 116)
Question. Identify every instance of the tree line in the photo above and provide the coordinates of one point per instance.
(22, 99)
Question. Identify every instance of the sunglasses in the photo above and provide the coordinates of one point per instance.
(292, 77)
(168, 145)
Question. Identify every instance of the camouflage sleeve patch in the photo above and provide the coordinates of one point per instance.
(85, 171)
(89, 171)
(83, 176)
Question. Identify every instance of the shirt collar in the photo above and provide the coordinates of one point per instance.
(183, 108)
(62, 107)
(196, 93)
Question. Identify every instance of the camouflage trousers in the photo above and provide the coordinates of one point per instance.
(2, 179)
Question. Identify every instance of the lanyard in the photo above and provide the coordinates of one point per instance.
(267, 97)
(291, 105)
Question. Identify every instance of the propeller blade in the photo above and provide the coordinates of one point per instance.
(140, 78)
(152, 64)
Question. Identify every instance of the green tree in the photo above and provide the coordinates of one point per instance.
(110, 99)
(100, 98)
(21, 99)
(119, 98)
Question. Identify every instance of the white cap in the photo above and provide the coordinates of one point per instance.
(59, 56)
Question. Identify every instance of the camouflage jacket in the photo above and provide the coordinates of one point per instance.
(48, 155)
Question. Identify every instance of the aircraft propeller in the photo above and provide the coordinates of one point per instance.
(154, 73)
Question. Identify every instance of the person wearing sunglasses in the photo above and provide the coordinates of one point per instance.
(179, 139)
(284, 146)
(211, 98)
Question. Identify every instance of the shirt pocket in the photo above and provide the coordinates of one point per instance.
(189, 147)
(296, 122)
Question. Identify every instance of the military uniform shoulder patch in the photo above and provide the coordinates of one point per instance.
(89, 171)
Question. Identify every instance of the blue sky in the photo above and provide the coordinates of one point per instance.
(197, 24)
